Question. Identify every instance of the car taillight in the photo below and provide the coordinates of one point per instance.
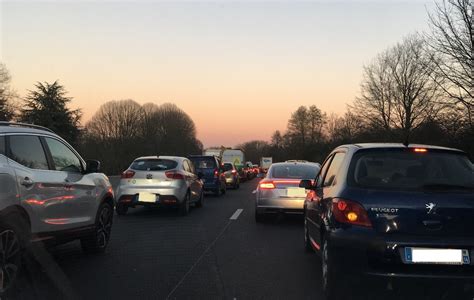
(267, 185)
(216, 173)
(128, 174)
(350, 212)
(234, 172)
(174, 175)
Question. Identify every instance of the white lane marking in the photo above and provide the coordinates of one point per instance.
(236, 214)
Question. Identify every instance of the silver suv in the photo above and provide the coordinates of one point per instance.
(48, 193)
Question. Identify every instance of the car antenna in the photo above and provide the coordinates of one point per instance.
(406, 142)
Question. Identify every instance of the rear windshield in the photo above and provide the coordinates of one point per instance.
(153, 165)
(292, 171)
(405, 168)
(204, 162)
(228, 167)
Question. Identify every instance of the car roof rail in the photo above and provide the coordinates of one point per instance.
(15, 124)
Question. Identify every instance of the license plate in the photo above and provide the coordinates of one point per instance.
(147, 197)
(296, 192)
(437, 256)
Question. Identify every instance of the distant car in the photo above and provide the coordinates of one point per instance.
(47, 193)
(160, 181)
(256, 169)
(211, 172)
(391, 211)
(232, 177)
(279, 191)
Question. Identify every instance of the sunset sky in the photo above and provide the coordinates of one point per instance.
(237, 68)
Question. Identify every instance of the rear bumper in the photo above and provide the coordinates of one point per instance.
(129, 196)
(279, 205)
(374, 256)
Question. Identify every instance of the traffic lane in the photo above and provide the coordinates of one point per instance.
(148, 254)
(255, 261)
(267, 261)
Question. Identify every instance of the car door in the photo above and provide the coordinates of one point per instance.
(80, 204)
(191, 179)
(197, 182)
(41, 191)
(313, 199)
(325, 192)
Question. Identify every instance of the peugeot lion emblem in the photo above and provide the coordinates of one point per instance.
(430, 207)
(149, 176)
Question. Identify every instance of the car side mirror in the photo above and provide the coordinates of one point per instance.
(306, 184)
(92, 166)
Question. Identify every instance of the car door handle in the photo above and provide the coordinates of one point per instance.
(27, 182)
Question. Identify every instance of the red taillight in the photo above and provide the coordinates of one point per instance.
(128, 174)
(216, 173)
(234, 172)
(420, 150)
(267, 185)
(350, 212)
(174, 175)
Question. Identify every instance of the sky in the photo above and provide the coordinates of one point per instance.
(238, 68)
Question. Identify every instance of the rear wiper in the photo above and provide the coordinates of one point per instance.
(446, 186)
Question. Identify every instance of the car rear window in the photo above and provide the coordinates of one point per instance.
(410, 169)
(204, 162)
(292, 171)
(228, 167)
(153, 165)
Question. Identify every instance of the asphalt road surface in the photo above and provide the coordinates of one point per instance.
(216, 252)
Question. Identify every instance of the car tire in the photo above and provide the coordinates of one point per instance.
(184, 206)
(121, 209)
(98, 239)
(330, 284)
(15, 236)
(307, 242)
(199, 202)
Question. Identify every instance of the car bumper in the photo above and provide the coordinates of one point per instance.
(364, 252)
(280, 205)
(165, 196)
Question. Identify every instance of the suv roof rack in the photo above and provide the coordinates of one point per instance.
(14, 124)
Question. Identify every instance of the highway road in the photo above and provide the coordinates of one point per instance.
(216, 252)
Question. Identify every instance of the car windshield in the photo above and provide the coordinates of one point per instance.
(407, 169)
(228, 167)
(204, 162)
(294, 171)
(153, 165)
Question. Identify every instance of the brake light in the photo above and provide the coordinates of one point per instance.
(350, 212)
(174, 175)
(127, 174)
(268, 185)
(420, 150)
(234, 172)
(216, 173)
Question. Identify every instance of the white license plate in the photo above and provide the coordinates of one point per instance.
(437, 256)
(296, 192)
(146, 197)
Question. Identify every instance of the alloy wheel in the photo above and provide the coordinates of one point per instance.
(10, 255)
(104, 227)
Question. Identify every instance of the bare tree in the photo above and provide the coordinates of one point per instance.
(452, 38)
(297, 125)
(316, 120)
(399, 89)
(118, 120)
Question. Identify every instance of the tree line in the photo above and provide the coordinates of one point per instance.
(419, 90)
(116, 134)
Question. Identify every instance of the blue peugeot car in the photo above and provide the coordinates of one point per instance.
(212, 173)
(391, 211)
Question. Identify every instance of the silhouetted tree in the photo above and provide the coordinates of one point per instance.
(452, 38)
(7, 111)
(46, 105)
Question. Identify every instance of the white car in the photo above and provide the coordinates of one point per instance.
(160, 181)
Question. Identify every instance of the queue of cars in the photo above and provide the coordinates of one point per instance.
(381, 211)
